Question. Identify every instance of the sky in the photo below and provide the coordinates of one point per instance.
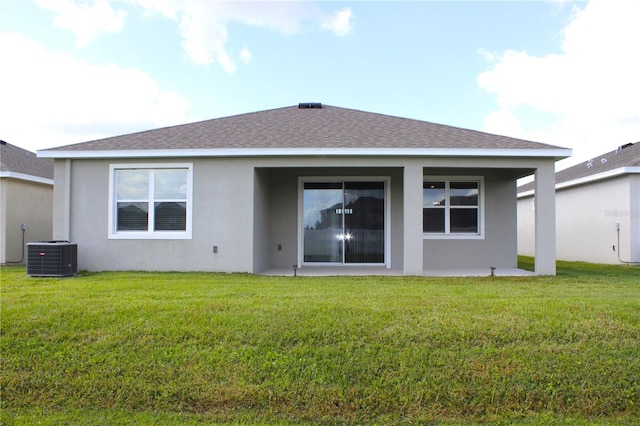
(560, 72)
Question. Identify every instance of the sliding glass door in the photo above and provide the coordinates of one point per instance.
(344, 222)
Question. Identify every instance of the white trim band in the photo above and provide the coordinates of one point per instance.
(30, 178)
(600, 176)
(309, 152)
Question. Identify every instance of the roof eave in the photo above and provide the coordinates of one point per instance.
(599, 176)
(620, 171)
(555, 153)
(26, 177)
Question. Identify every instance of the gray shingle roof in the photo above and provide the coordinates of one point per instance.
(625, 156)
(294, 127)
(17, 160)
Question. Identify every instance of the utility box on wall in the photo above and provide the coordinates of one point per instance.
(52, 259)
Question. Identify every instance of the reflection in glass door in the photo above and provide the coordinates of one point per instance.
(343, 222)
(322, 222)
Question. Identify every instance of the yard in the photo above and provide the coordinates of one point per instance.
(201, 348)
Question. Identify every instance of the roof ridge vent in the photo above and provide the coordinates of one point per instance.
(306, 105)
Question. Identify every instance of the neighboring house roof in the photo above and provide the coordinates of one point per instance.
(624, 159)
(22, 164)
(316, 128)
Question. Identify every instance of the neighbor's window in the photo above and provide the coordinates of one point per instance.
(151, 202)
(451, 207)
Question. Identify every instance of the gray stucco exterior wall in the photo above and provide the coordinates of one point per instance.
(497, 248)
(248, 208)
(222, 216)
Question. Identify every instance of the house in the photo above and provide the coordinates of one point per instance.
(597, 209)
(315, 186)
(26, 201)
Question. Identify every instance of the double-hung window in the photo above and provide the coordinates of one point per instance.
(452, 207)
(150, 201)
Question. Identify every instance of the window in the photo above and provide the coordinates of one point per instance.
(451, 207)
(150, 201)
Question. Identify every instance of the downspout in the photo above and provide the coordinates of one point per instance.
(24, 228)
(628, 262)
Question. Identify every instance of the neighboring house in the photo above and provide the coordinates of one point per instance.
(597, 209)
(26, 201)
(310, 185)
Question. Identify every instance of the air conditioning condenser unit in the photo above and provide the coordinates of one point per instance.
(52, 259)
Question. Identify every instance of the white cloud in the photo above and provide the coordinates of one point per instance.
(487, 55)
(339, 23)
(591, 88)
(204, 24)
(204, 35)
(51, 99)
(245, 55)
(83, 20)
(504, 120)
(166, 8)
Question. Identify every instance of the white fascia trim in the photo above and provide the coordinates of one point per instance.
(310, 152)
(600, 176)
(588, 179)
(29, 178)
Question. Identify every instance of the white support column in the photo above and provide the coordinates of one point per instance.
(412, 220)
(545, 217)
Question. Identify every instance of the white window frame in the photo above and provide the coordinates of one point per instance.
(113, 233)
(447, 235)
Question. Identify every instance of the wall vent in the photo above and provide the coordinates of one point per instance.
(305, 105)
(621, 147)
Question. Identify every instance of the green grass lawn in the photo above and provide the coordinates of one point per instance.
(199, 348)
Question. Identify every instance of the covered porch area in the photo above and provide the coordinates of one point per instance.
(340, 218)
(284, 235)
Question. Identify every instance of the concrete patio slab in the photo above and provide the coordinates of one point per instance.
(320, 271)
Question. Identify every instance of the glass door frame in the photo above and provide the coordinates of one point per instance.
(333, 179)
